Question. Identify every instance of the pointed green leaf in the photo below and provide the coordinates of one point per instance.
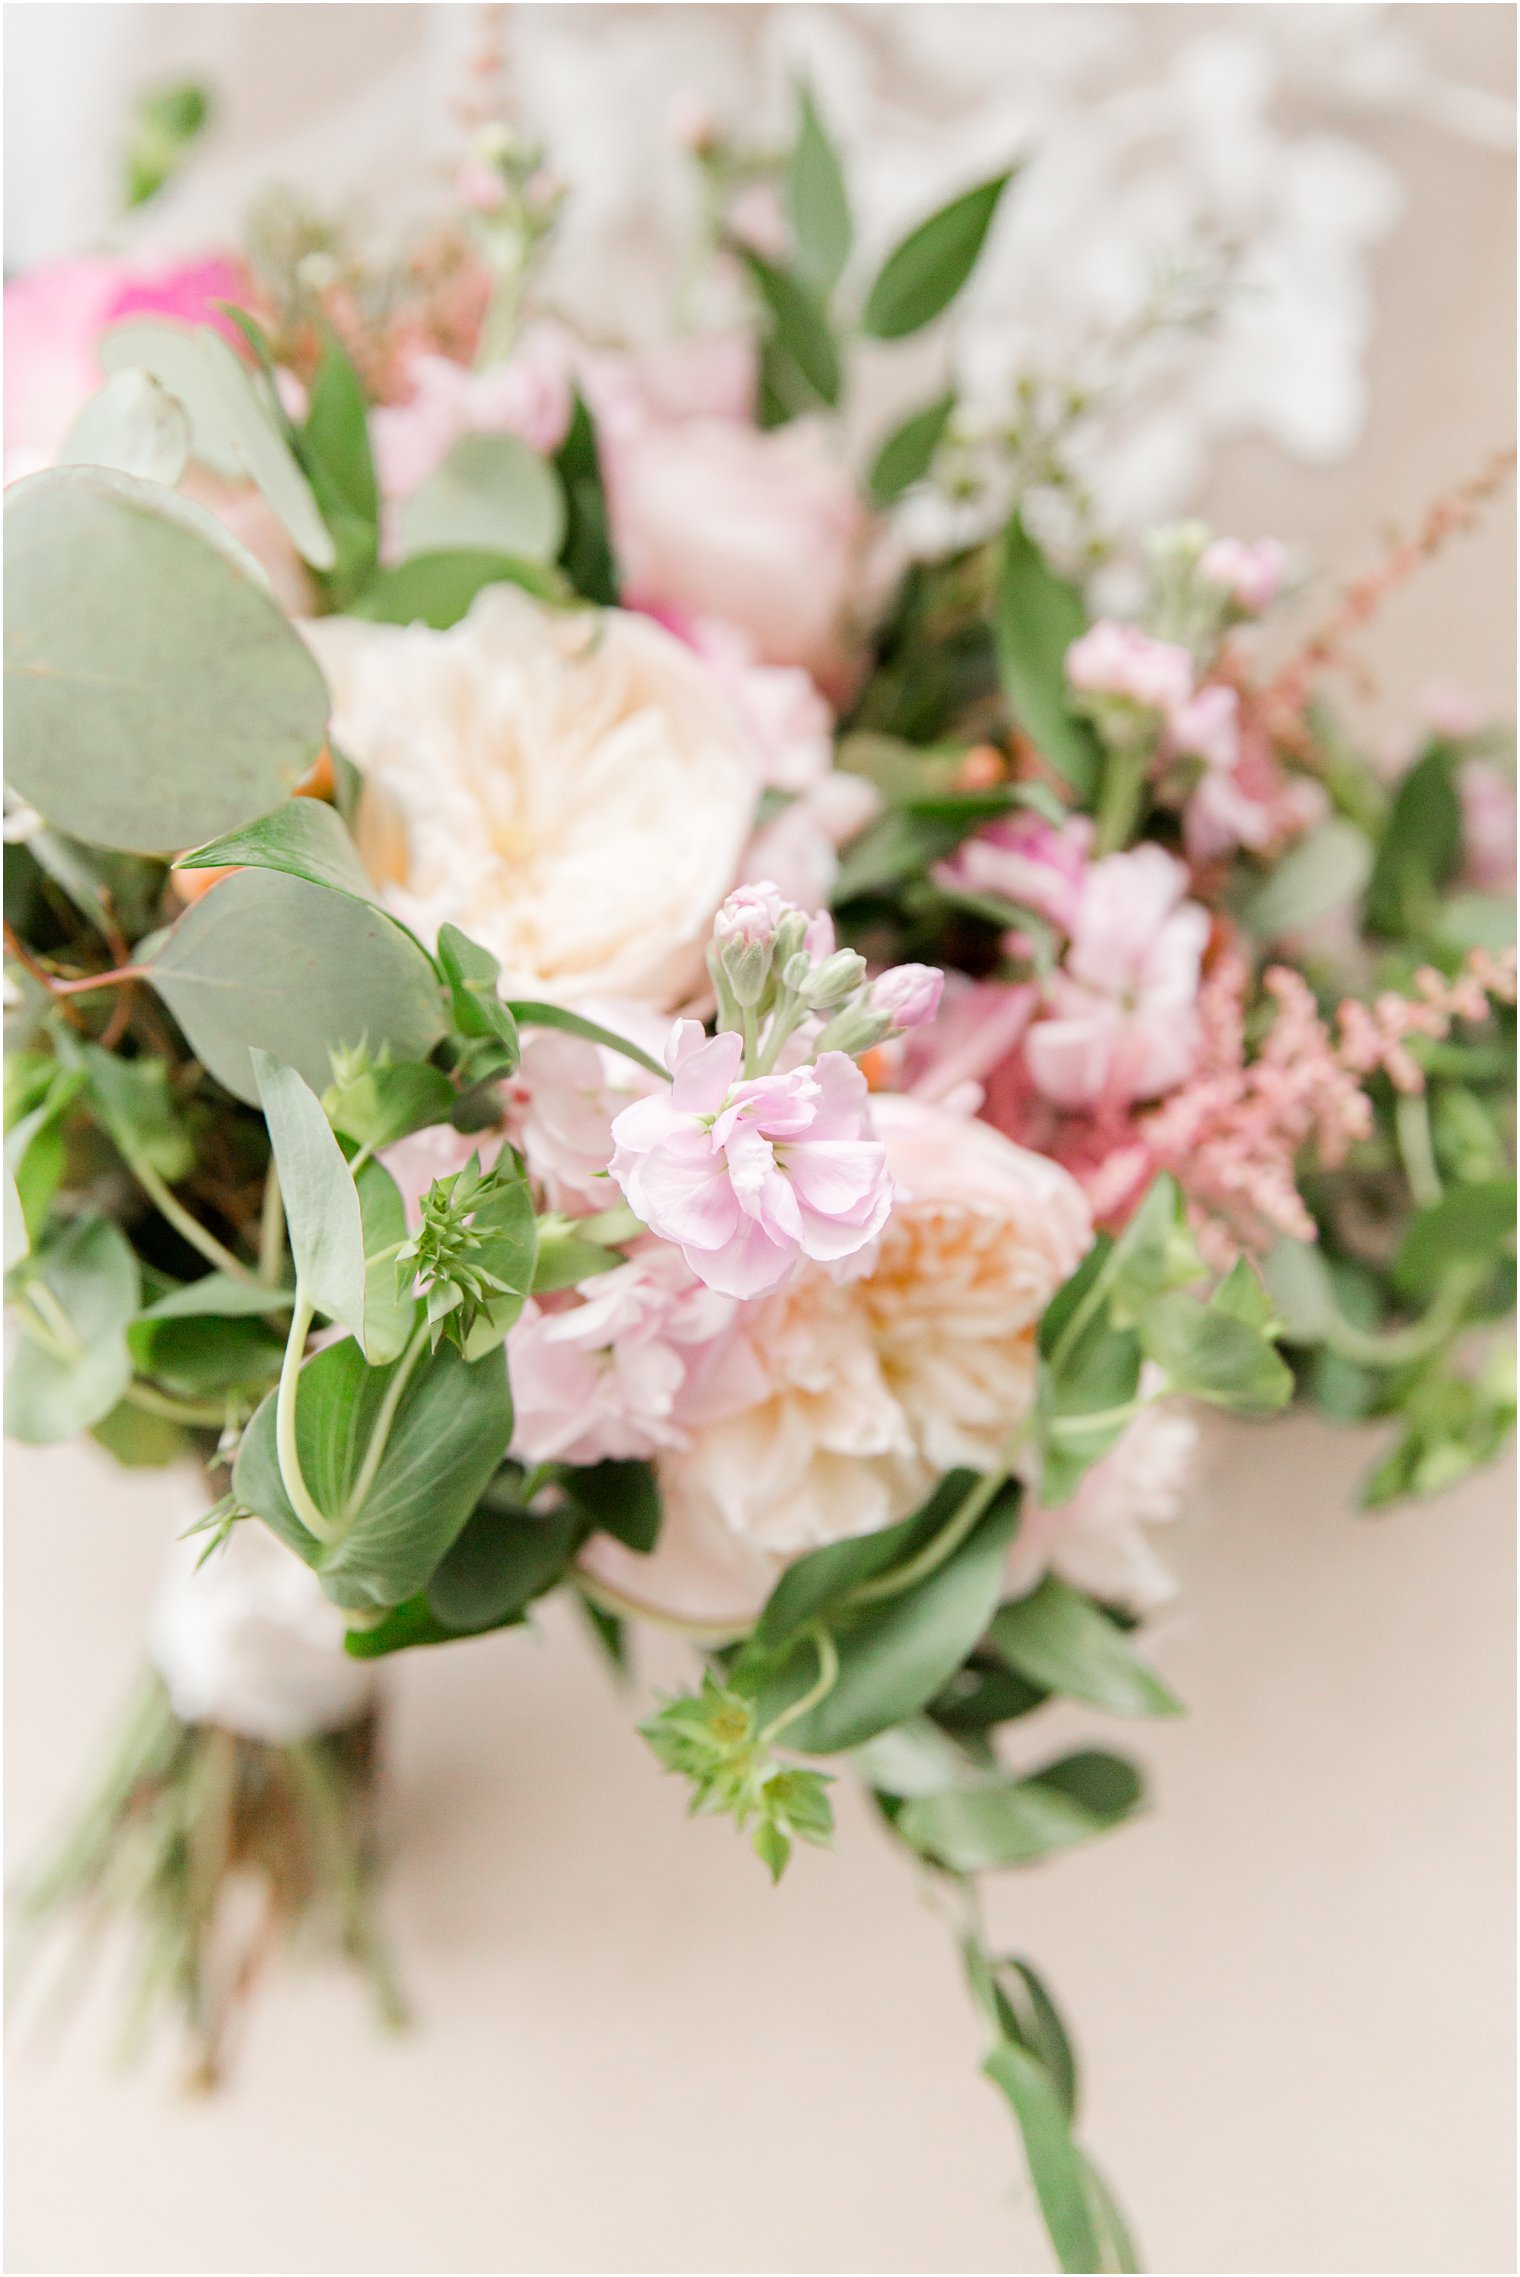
(908, 452)
(817, 198)
(801, 326)
(305, 838)
(438, 589)
(924, 272)
(1060, 1640)
(321, 1206)
(1039, 616)
(1055, 2164)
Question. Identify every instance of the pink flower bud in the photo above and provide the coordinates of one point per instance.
(1250, 573)
(750, 916)
(1113, 659)
(908, 995)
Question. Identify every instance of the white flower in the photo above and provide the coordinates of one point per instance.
(249, 1642)
(837, 1406)
(572, 787)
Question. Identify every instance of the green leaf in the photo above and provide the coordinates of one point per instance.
(1041, 2028)
(897, 1652)
(818, 200)
(378, 1103)
(534, 1015)
(1302, 1291)
(586, 556)
(321, 1205)
(922, 275)
(1060, 1640)
(217, 1296)
(17, 1240)
(131, 1098)
(492, 494)
(1242, 1295)
(505, 1557)
(801, 325)
(437, 589)
(1476, 1221)
(196, 1358)
(472, 974)
(251, 416)
(335, 438)
(913, 1758)
(389, 1311)
(1321, 873)
(305, 838)
(156, 697)
(133, 425)
(90, 1290)
(275, 962)
(1055, 2164)
(1038, 617)
(1209, 1355)
(450, 1433)
(1013, 1822)
(1420, 849)
(171, 353)
(981, 1695)
(908, 452)
(622, 1498)
(1155, 1252)
(814, 1584)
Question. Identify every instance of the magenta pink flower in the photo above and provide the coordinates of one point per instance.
(1113, 659)
(1123, 1018)
(1250, 572)
(748, 1177)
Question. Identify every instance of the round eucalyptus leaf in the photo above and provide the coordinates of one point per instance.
(491, 494)
(155, 696)
(171, 352)
(134, 425)
(297, 970)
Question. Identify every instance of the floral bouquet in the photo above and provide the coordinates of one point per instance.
(612, 994)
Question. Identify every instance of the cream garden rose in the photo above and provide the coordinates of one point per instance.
(840, 1403)
(571, 786)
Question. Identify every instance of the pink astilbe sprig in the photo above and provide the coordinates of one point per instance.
(1233, 1134)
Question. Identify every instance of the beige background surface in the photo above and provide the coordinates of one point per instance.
(1292, 1982)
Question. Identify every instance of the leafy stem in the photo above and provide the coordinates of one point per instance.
(385, 1422)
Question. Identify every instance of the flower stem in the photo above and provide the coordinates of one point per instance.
(947, 1541)
(272, 1229)
(196, 1414)
(1411, 1122)
(313, 1519)
(384, 1423)
(1120, 801)
(1398, 1347)
(828, 1677)
(188, 1227)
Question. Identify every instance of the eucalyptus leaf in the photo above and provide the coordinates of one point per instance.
(219, 1296)
(267, 456)
(90, 1290)
(131, 1098)
(134, 425)
(492, 494)
(450, 1432)
(171, 354)
(321, 1205)
(1038, 617)
(924, 272)
(156, 697)
(390, 1310)
(275, 962)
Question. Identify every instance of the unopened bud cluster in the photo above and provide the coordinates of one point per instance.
(775, 969)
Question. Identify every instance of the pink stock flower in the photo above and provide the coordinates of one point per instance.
(54, 318)
(1122, 1023)
(1249, 571)
(748, 1177)
(908, 995)
(604, 1378)
(750, 915)
(1114, 659)
(1207, 727)
(1023, 858)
